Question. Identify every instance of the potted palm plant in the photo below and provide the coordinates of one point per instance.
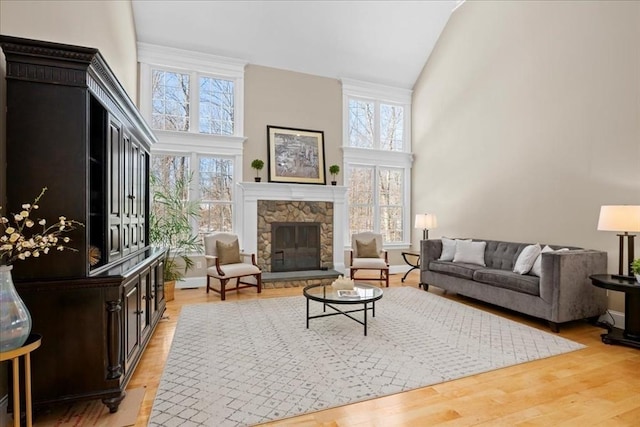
(170, 226)
(334, 170)
(257, 164)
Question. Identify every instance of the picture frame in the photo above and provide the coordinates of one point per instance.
(296, 155)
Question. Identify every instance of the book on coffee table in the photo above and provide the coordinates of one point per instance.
(348, 293)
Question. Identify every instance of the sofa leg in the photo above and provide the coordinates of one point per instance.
(424, 286)
(555, 327)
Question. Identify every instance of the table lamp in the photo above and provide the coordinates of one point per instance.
(623, 218)
(426, 222)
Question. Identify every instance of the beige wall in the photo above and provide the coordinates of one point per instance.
(526, 119)
(105, 25)
(289, 99)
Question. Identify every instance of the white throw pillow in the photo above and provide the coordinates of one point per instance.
(526, 259)
(536, 269)
(449, 248)
(470, 252)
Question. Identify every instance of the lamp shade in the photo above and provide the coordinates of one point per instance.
(426, 221)
(619, 218)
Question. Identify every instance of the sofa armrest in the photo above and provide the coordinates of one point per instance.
(430, 250)
(565, 283)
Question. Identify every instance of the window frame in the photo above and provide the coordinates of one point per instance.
(192, 143)
(376, 157)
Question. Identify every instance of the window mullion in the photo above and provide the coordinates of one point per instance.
(194, 103)
(376, 126)
(376, 199)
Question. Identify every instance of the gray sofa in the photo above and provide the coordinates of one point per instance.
(562, 293)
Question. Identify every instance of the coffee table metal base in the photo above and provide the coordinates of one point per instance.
(367, 306)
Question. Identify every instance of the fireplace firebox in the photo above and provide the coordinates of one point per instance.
(295, 246)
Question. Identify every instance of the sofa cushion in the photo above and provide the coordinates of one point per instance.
(508, 280)
(454, 269)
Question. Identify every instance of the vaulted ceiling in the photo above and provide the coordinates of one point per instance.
(385, 42)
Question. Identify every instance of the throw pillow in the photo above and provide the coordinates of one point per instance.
(449, 248)
(228, 253)
(470, 252)
(526, 259)
(367, 249)
(536, 269)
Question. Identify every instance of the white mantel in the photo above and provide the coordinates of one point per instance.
(251, 192)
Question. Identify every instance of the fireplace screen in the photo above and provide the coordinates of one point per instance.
(295, 246)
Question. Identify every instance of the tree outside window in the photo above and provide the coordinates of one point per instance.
(175, 103)
(216, 194)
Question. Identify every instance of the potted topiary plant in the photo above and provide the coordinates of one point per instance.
(635, 268)
(334, 170)
(257, 164)
(170, 227)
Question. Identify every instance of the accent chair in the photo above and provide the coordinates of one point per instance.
(226, 262)
(367, 254)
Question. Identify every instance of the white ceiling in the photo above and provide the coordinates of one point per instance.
(385, 42)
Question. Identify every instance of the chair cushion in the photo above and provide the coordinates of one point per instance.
(369, 263)
(367, 249)
(233, 270)
(228, 253)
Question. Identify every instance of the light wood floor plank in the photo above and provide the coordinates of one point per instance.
(598, 385)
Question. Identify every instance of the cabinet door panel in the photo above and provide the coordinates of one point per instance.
(114, 183)
(131, 320)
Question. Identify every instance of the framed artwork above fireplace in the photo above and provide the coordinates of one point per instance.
(296, 155)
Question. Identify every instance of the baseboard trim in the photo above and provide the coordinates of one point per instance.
(618, 318)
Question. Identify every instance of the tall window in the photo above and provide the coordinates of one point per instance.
(194, 102)
(171, 99)
(216, 194)
(377, 160)
(216, 106)
(211, 185)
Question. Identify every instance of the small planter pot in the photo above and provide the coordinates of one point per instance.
(334, 182)
(258, 179)
(638, 278)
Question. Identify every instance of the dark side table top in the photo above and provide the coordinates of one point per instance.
(607, 281)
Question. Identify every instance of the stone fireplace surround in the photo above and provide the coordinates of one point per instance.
(250, 193)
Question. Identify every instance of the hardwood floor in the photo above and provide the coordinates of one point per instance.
(598, 385)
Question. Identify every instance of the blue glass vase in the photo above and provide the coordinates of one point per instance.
(15, 320)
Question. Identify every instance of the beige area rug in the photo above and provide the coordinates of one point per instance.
(94, 413)
(247, 362)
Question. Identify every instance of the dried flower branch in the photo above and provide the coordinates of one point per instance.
(15, 244)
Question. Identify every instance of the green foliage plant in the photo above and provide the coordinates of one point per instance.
(635, 266)
(170, 225)
(257, 164)
(334, 170)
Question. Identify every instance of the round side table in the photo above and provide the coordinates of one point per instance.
(32, 343)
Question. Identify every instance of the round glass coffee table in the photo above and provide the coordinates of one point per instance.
(361, 294)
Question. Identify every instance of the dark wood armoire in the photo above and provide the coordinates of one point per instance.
(72, 128)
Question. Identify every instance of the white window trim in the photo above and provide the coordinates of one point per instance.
(196, 64)
(374, 157)
(193, 143)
